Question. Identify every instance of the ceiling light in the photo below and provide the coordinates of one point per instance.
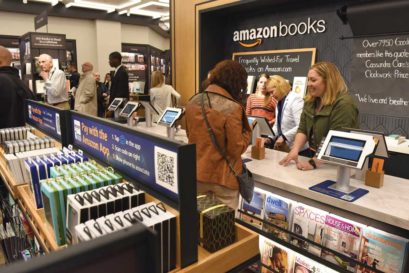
(25, 1)
(54, 2)
(164, 1)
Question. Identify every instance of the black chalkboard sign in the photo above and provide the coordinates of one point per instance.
(288, 63)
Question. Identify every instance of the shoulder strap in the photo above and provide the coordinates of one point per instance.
(213, 136)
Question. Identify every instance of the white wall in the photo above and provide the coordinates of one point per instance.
(95, 38)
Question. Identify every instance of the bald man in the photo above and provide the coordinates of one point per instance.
(13, 93)
(54, 82)
(86, 95)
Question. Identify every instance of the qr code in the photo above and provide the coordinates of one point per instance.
(166, 169)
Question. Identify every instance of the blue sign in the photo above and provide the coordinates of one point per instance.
(45, 118)
(153, 163)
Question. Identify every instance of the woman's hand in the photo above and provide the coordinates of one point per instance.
(279, 142)
(292, 155)
(304, 166)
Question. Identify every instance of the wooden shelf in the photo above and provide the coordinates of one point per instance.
(245, 248)
(36, 218)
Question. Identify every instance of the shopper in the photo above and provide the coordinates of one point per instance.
(232, 132)
(54, 78)
(161, 93)
(120, 79)
(13, 93)
(107, 81)
(262, 103)
(287, 112)
(86, 94)
(74, 77)
(328, 106)
(102, 95)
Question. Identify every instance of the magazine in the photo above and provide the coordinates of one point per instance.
(303, 264)
(277, 212)
(343, 236)
(274, 257)
(308, 222)
(256, 208)
(383, 251)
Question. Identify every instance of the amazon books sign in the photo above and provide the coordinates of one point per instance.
(254, 36)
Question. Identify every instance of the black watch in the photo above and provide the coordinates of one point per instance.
(312, 163)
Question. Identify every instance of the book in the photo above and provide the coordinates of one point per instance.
(309, 223)
(343, 236)
(255, 208)
(277, 211)
(275, 257)
(300, 86)
(383, 251)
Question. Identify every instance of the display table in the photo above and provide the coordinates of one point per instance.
(386, 204)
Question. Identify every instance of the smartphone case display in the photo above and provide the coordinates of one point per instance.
(344, 242)
(32, 45)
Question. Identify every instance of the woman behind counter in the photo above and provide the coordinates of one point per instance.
(232, 132)
(328, 106)
(288, 112)
(262, 103)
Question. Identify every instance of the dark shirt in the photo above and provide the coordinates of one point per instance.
(13, 93)
(119, 85)
(74, 79)
(101, 89)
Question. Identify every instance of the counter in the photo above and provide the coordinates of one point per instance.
(386, 204)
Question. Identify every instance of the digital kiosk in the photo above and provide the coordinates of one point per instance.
(168, 119)
(346, 150)
(261, 128)
(128, 112)
(115, 106)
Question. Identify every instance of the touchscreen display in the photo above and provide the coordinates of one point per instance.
(129, 108)
(169, 117)
(349, 149)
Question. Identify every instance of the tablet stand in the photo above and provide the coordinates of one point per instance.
(343, 176)
(148, 117)
(171, 131)
(116, 113)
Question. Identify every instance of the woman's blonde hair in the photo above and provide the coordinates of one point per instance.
(282, 86)
(157, 79)
(334, 82)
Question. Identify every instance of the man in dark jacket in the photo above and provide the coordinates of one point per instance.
(120, 79)
(13, 93)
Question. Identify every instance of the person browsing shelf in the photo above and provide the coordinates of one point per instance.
(230, 127)
(54, 82)
(262, 103)
(328, 106)
(287, 112)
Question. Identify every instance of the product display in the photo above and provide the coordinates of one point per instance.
(216, 223)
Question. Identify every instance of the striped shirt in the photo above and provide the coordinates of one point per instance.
(257, 107)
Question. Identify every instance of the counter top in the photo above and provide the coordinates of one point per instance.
(393, 145)
(386, 204)
(161, 131)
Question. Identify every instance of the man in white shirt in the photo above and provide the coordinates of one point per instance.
(54, 83)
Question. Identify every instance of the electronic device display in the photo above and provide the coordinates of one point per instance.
(135, 248)
(128, 109)
(347, 149)
(115, 104)
(265, 128)
(169, 116)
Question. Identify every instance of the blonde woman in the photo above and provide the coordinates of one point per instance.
(261, 103)
(288, 112)
(328, 106)
(161, 93)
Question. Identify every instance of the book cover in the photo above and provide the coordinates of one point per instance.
(274, 257)
(309, 223)
(343, 236)
(277, 212)
(255, 208)
(299, 86)
(383, 251)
